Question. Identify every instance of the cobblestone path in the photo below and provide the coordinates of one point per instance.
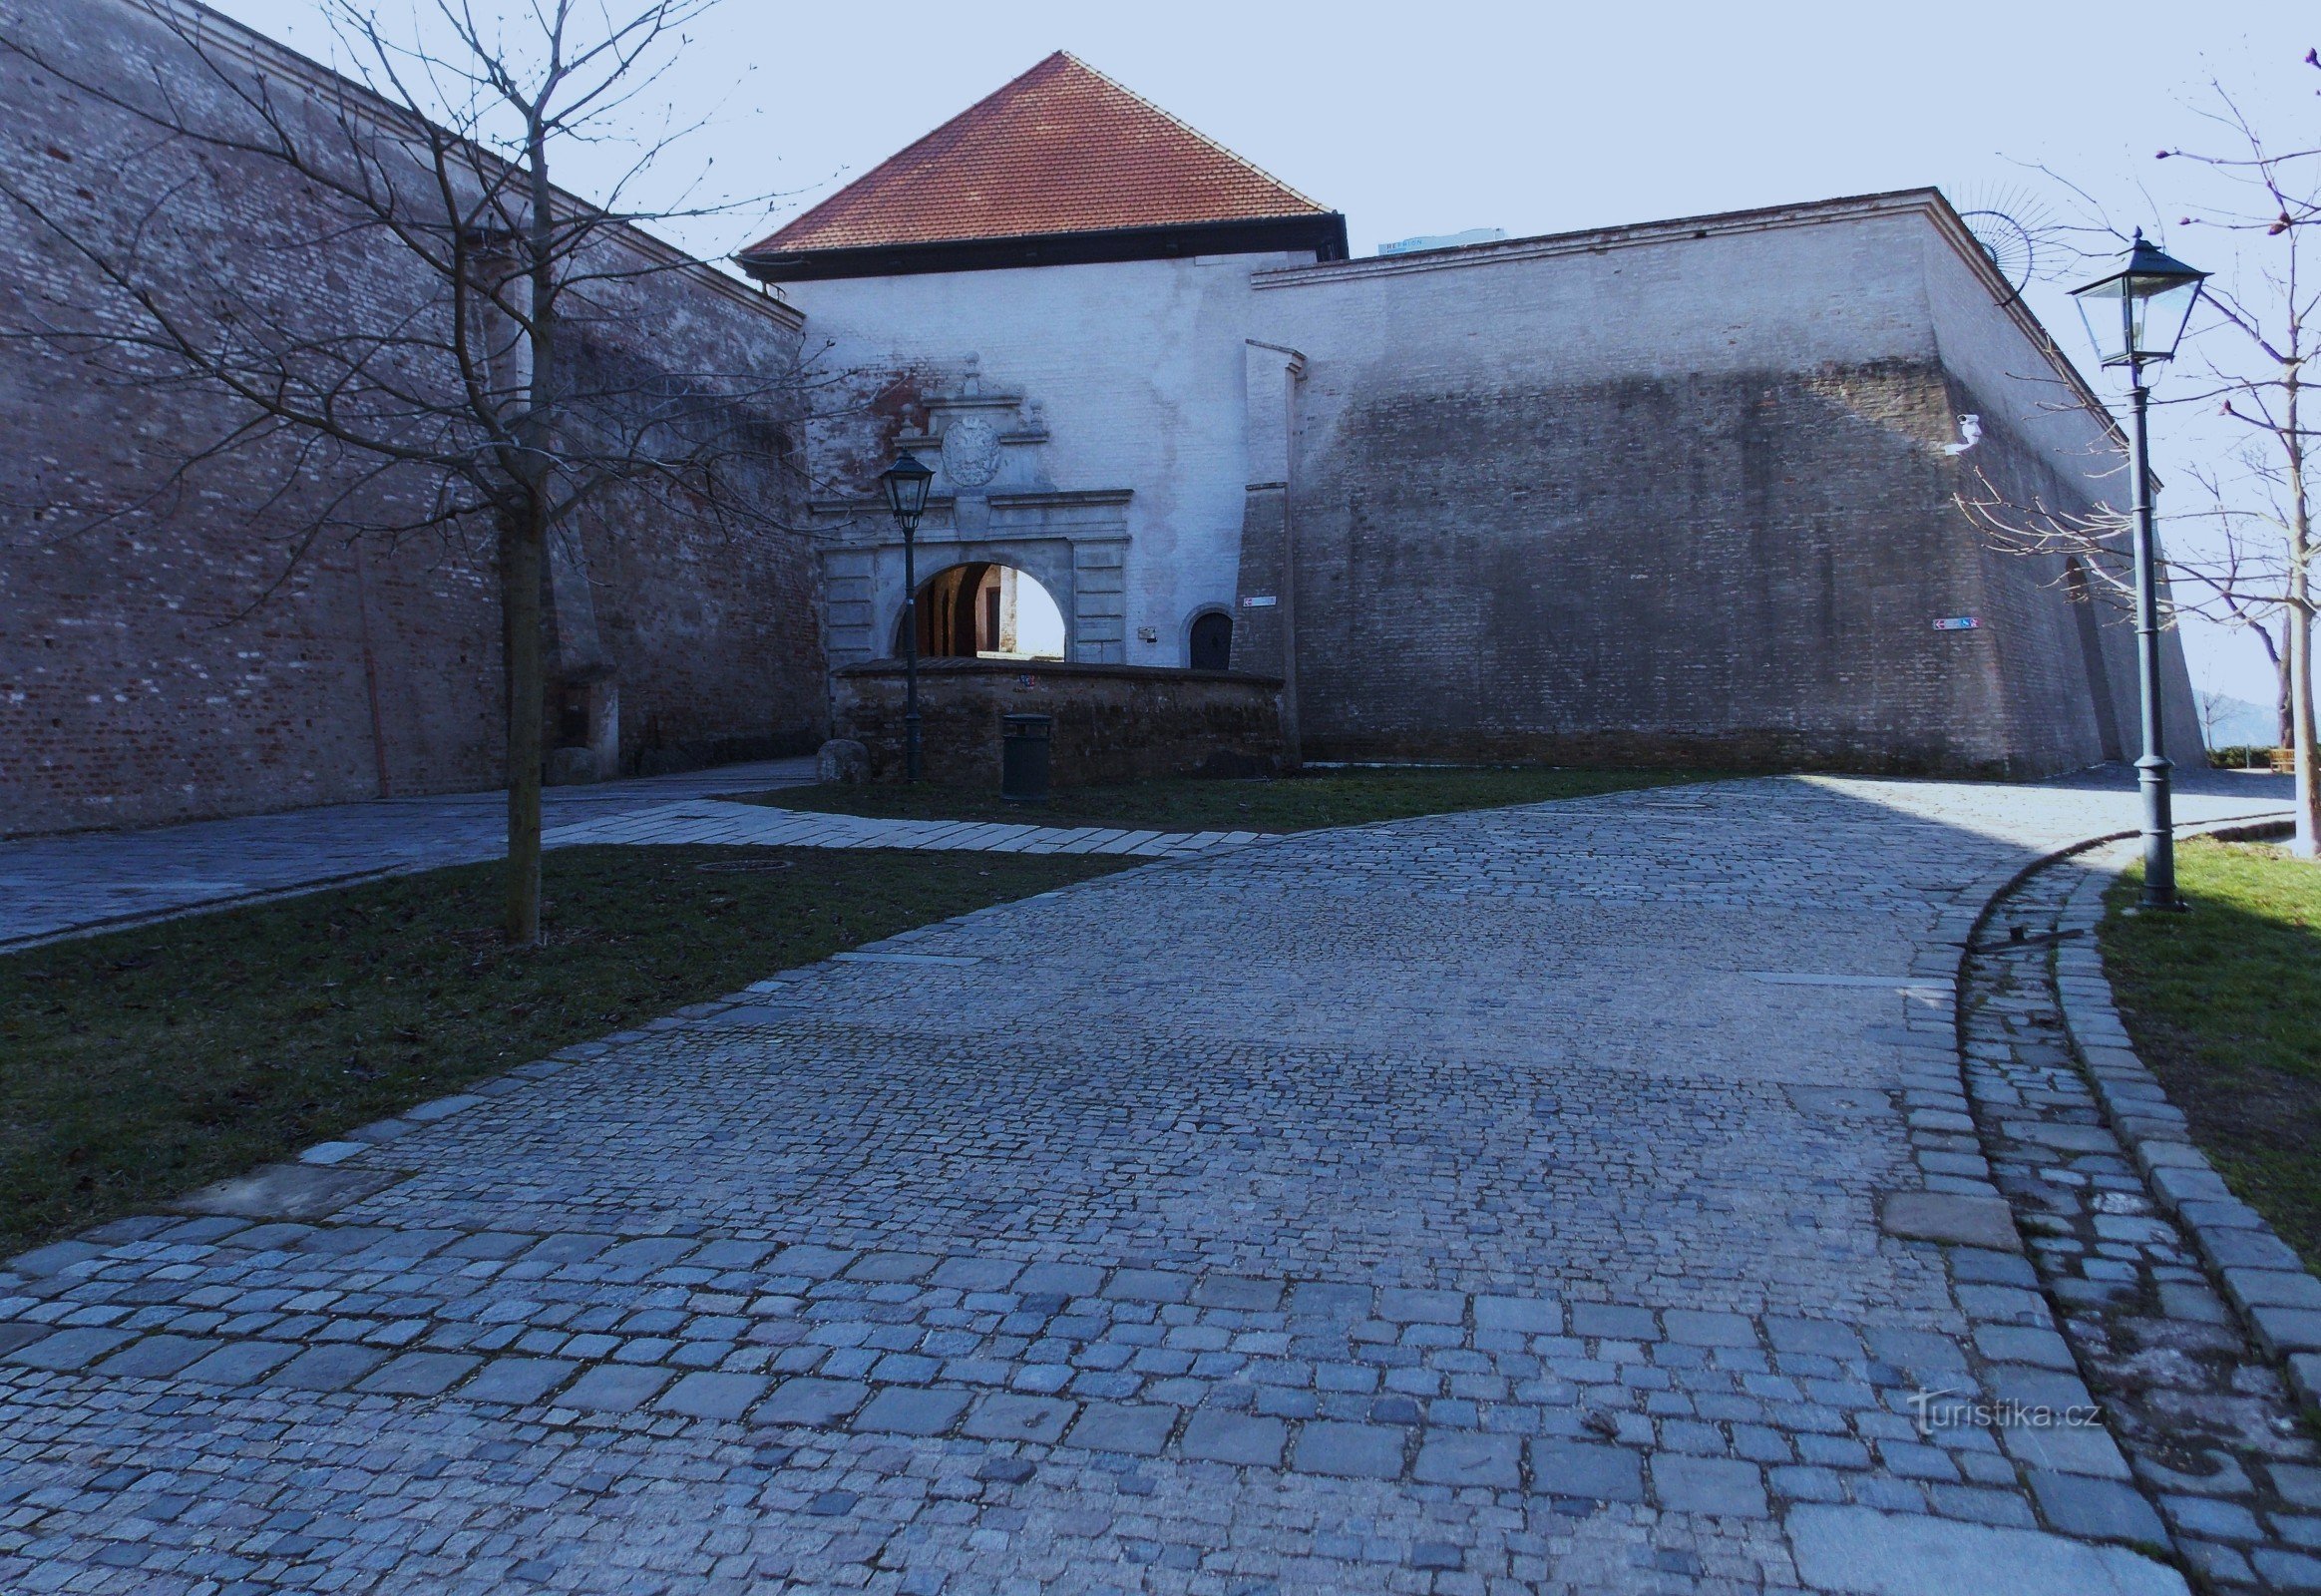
(1569, 1198)
(2208, 1438)
(758, 825)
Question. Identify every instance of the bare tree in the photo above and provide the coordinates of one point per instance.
(2246, 560)
(483, 388)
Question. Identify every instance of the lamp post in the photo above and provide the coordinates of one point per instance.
(906, 482)
(2135, 317)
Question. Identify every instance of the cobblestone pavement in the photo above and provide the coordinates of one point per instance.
(1567, 1198)
(2209, 1438)
(758, 825)
(52, 886)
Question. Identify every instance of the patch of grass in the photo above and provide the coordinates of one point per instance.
(137, 1065)
(2225, 1006)
(1288, 803)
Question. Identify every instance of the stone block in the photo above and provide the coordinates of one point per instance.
(708, 1394)
(811, 1401)
(1123, 1428)
(1715, 1485)
(1355, 1451)
(331, 1368)
(1951, 1218)
(1454, 1459)
(1013, 1416)
(1861, 1550)
(1584, 1469)
(1228, 1437)
(613, 1387)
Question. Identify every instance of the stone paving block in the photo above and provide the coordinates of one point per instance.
(977, 1274)
(55, 1258)
(807, 1400)
(1587, 1470)
(1058, 1280)
(891, 1266)
(1858, 1550)
(1821, 1337)
(1120, 1427)
(239, 1363)
(912, 1410)
(516, 1381)
(1951, 1218)
(1529, 1316)
(2024, 1343)
(708, 1394)
(1314, 1299)
(1149, 1286)
(1239, 1292)
(1601, 1319)
(1403, 1306)
(157, 1357)
(1359, 1452)
(1008, 1415)
(2065, 1448)
(1708, 1485)
(1241, 1439)
(421, 1374)
(1470, 1459)
(332, 1368)
(1697, 1329)
(613, 1387)
(69, 1349)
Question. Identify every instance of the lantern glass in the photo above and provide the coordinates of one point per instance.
(907, 483)
(2138, 313)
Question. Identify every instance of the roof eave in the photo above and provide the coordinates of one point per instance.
(1323, 233)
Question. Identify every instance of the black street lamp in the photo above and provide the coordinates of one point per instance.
(2135, 317)
(906, 482)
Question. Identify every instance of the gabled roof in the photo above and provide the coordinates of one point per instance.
(1060, 153)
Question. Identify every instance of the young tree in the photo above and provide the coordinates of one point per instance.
(476, 380)
(2246, 560)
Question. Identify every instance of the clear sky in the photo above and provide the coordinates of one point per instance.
(1435, 118)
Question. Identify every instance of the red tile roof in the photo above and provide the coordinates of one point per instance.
(1062, 149)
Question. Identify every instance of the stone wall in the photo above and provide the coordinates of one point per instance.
(1113, 722)
(183, 642)
(1558, 500)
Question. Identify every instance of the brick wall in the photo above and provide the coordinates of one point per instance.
(181, 642)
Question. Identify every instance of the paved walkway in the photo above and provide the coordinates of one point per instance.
(1524, 1200)
(64, 886)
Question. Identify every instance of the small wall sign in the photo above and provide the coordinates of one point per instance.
(1957, 623)
(1257, 601)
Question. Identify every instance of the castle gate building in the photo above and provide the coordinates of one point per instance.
(1681, 490)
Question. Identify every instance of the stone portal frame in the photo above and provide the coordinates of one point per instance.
(1075, 545)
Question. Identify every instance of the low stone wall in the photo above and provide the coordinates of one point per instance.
(1113, 722)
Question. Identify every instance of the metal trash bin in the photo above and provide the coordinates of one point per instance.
(1024, 748)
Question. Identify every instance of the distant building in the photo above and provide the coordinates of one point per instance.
(1442, 240)
(1678, 490)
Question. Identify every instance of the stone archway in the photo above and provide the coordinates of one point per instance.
(984, 608)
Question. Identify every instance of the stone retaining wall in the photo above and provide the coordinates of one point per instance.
(1113, 722)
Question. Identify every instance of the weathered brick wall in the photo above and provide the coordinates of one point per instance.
(180, 642)
(1681, 497)
(1113, 722)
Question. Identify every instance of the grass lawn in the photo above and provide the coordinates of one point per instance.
(1290, 803)
(2224, 1004)
(137, 1065)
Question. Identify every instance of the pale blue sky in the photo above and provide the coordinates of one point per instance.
(1535, 118)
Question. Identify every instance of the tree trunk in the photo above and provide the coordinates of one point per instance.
(2308, 798)
(522, 546)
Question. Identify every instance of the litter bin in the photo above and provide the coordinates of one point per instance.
(1023, 746)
